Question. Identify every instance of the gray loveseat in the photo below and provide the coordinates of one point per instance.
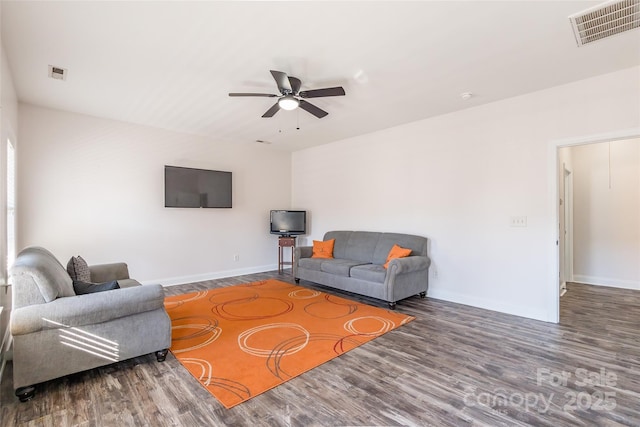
(57, 333)
(357, 265)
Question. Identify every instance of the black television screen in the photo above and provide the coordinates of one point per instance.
(196, 188)
(288, 223)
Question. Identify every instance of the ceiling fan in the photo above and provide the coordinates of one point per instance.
(290, 95)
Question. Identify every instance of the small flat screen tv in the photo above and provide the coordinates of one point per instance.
(196, 188)
(288, 223)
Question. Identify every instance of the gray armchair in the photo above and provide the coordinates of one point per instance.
(57, 333)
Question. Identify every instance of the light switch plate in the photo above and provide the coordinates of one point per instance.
(518, 221)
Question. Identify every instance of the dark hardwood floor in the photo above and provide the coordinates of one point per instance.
(454, 365)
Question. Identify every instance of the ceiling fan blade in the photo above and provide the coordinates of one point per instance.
(271, 111)
(318, 112)
(282, 81)
(318, 93)
(269, 95)
(295, 84)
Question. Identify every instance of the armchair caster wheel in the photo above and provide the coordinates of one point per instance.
(297, 280)
(423, 295)
(162, 355)
(26, 393)
(392, 305)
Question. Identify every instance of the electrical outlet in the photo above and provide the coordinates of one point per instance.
(518, 221)
(236, 257)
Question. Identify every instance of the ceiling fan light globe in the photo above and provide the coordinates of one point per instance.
(288, 103)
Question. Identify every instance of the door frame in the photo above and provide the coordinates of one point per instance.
(566, 231)
(553, 182)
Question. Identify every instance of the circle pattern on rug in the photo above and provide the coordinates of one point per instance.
(367, 326)
(258, 343)
(193, 332)
(330, 308)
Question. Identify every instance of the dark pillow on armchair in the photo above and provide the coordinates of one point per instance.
(78, 269)
(82, 288)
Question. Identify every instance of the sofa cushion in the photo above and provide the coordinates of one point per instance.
(78, 269)
(37, 265)
(369, 272)
(340, 267)
(355, 245)
(323, 249)
(361, 245)
(340, 246)
(82, 288)
(44, 286)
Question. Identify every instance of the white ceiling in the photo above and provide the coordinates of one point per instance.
(171, 64)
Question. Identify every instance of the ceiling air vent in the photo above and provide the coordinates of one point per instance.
(57, 73)
(607, 19)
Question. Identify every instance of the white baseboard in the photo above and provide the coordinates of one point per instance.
(522, 311)
(171, 281)
(606, 281)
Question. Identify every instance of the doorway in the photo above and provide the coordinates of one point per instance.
(562, 186)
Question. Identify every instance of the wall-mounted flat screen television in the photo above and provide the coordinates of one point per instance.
(196, 188)
(288, 223)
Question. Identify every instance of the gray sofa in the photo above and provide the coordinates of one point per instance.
(357, 265)
(56, 332)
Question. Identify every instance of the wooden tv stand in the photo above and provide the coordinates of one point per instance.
(285, 242)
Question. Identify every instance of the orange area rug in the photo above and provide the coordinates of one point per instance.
(243, 340)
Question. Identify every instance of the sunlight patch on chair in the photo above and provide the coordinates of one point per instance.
(85, 341)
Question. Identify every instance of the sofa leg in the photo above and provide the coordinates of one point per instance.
(25, 393)
(162, 355)
(297, 280)
(392, 305)
(423, 295)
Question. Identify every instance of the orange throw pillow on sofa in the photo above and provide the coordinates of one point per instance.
(323, 249)
(396, 252)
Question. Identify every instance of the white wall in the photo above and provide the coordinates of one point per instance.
(95, 187)
(607, 213)
(8, 98)
(458, 178)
